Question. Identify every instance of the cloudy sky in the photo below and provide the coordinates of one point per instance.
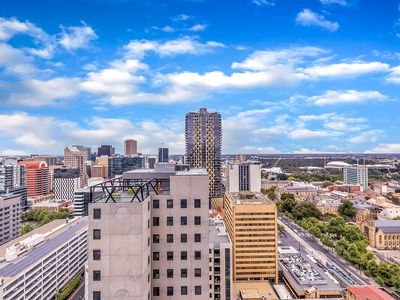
(287, 76)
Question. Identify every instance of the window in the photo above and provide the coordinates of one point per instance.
(156, 221)
(170, 238)
(170, 255)
(184, 290)
(197, 203)
(156, 291)
(183, 273)
(96, 254)
(156, 203)
(96, 234)
(197, 220)
(197, 290)
(183, 203)
(96, 276)
(183, 220)
(156, 274)
(156, 255)
(197, 255)
(170, 290)
(96, 295)
(170, 221)
(183, 255)
(197, 237)
(183, 238)
(170, 203)
(96, 213)
(156, 238)
(170, 273)
(197, 272)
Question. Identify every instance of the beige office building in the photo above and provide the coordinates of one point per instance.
(130, 147)
(152, 242)
(251, 221)
(77, 156)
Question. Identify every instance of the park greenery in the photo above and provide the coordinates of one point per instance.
(37, 217)
(348, 241)
(69, 289)
(347, 209)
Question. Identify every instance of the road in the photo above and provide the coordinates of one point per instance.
(305, 241)
(79, 293)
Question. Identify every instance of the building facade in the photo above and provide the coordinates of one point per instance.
(244, 176)
(157, 247)
(356, 175)
(12, 180)
(119, 164)
(203, 136)
(10, 205)
(36, 267)
(130, 147)
(66, 181)
(37, 178)
(105, 150)
(78, 156)
(220, 258)
(251, 221)
(381, 234)
(163, 155)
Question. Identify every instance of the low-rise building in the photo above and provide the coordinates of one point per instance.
(328, 206)
(381, 234)
(40, 263)
(300, 192)
(304, 278)
(367, 292)
(54, 205)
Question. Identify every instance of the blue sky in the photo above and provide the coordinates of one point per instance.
(287, 76)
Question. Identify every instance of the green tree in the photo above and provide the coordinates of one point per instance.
(353, 234)
(288, 202)
(327, 241)
(304, 210)
(347, 209)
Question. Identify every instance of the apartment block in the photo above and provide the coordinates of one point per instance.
(251, 221)
(356, 175)
(66, 181)
(119, 164)
(150, 238)
(40, 263)
(10, 206)
(37, 178)
(244, 176)
(220, 259)
(78, 156)
(12, 180)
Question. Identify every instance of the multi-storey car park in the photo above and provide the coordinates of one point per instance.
(39, 264)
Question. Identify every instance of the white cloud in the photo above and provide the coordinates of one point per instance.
(394, 75)
(198, 27)
(346, 69)
(386, 148)
(168, 29)
(77, 37)
(48, 134)
(185, 45)
(309, 18)
(14, 61)
(346, 97)
(339, 2)
(267, 60)
(263, 2)
(369, 136)
(307, 151)
(181, 17)
(11, 27)
(304, 133)
(35, 92)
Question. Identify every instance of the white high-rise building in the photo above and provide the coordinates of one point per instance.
(66, 182)
(243, 176)
(153, 241)
(356, 175)
(39, 264)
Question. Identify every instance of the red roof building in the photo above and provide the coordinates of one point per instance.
(37, 177)
(367, 292)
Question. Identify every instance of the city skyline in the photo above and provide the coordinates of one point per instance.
(316, 76)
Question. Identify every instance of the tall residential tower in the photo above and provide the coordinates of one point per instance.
(203, 136)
